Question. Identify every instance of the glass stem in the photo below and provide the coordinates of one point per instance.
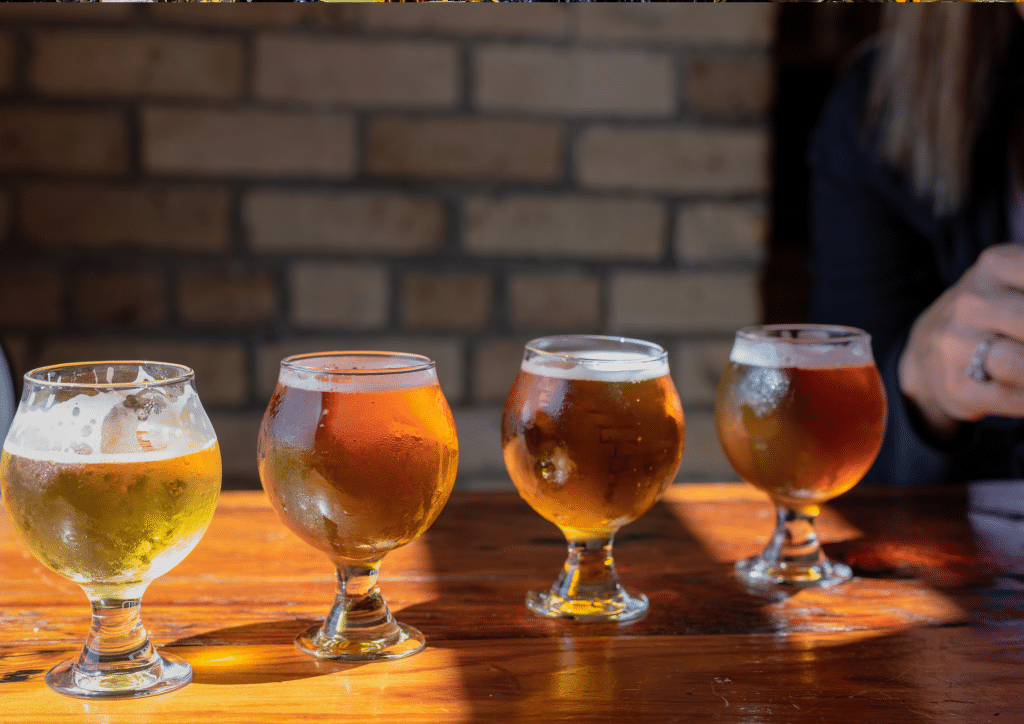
(359, 611)
(117, 641)
(794, 544)
(589, 572)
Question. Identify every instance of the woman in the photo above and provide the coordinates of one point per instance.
(918, 234)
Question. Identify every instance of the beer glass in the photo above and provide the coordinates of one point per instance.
(357, 453)
(800, 412)
(592, 434)
(110, 473)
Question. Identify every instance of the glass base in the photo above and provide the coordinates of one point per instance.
(405, 641)
(157, 676)
(759, 574)
(624, 606)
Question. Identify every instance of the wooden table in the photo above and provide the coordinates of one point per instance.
(931, 630)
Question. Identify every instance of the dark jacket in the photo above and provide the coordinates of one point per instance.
(880, 256)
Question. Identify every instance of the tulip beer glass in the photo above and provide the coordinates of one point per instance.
(357, 453)
(592, 433)
(110, 473)
(800, 412)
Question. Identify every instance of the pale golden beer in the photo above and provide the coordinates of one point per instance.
(112, 521)
(110, 473)
(358, 454)
(800, 413)
(592, 455)
(592, 434)
(357, 474)
(811, 443)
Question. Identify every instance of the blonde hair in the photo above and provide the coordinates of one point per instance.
(936, 68)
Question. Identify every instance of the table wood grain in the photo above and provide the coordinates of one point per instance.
(931, 629)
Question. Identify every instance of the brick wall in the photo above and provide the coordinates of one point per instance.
(223, 186)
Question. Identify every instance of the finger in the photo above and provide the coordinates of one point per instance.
(1003, 263)
(999, 311)
(996, 399)
(1005, 362)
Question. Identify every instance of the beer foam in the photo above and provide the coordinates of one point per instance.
(597, 365)
(79, 429)
(311, 380)
(803, 354)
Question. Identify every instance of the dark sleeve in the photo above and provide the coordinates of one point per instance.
(873, 263)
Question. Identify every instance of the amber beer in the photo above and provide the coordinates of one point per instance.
(119, 518)
(356, 466)
(804, 429)
(591, 444)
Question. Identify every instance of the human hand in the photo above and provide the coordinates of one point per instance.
(986, 303)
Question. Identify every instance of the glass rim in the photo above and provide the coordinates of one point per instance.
(186, 374)
(658, 352)
(293, 362)
(843, 333)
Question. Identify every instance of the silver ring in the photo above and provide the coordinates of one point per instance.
(976, 370)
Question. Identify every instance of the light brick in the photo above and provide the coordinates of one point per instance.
(743, 24)
(719, 232)
(555, 302)
(479, 430)
(121, 298)
(464, 148)
(446, 302)
(30, 296)
(675, 160)
(730, 86)
(49, 140)
(103, 63)
(356, 71)
(285, 221)
(446, 353)
(569, 226)
(339, 296)
(495, 366)
(697, 367)
(7, 60)
(574, 82)
(221, 372)
(703, 459)
(226, 298)
(274, 144)
(543, 20)
(237, 434)
(673, 302)
(155, 218)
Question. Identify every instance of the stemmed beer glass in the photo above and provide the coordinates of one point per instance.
(358, 453)
(800, 412)
(111, 473)
(592, 433)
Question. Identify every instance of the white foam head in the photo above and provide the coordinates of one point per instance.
(357, 372)
(810, 347)
(618, 360)
(106, 422)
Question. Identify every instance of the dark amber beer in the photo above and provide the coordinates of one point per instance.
(356, 466)
(802, 435)
(800, 412)
(592, 434)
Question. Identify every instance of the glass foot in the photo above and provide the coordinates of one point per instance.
(624, 606)
(758, 573)
(404, 641)
(157, 675)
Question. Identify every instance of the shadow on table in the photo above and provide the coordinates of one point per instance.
(256, 653)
